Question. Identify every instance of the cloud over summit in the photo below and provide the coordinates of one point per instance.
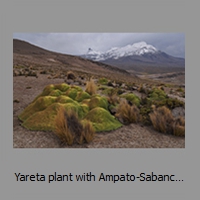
(78, 43)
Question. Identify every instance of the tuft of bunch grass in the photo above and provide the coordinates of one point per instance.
(179, 127)
(113, 98)
(70, 129)
(128, 113)
(91, 87)
(62, 128)
(162, 120)
(88, 131)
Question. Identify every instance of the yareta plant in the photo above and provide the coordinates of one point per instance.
(41, 113)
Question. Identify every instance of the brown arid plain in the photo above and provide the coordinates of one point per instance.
(35, 68)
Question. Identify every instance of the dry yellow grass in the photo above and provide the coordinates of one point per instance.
(179, 127)
(128, 113)
(70, 130)
(88, 131)
(62, 129)
(162, 120)
(91, 87)
(113, 98)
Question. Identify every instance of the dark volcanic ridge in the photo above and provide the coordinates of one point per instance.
(149, 60)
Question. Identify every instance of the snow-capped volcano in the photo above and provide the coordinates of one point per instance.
(139, 48)
(138, 55)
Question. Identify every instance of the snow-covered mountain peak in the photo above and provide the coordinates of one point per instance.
(139, 48)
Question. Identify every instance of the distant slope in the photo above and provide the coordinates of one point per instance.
(26, 48)
(160, 59)
(27, 54)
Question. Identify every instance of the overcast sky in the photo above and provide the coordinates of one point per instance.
(78, 43)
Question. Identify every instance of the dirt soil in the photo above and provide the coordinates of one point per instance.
(25, 89)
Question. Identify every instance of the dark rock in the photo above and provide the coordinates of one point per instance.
(178, 111)
(71, 75)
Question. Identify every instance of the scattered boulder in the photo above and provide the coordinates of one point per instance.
(123, 86)
(32, 73)
(43, 72)
(178, 112)
(62, 76)
(24, 72)
(71, 75)
(134, 88)
(16, 73)
(112, 109)
(112, 84)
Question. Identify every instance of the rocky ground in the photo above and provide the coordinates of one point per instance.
(25, 89)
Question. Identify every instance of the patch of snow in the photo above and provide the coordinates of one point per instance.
(139, 48)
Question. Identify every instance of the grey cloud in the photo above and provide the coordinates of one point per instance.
(78, 43)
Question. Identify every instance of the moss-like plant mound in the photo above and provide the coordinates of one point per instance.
(47, 90)
(55, 92)
(73, 92)
(41, 113)
(63, 87)
(170, 103)
(64, 99)
(159, 98)
(82, 96)
(42, 120)
(103, 81)
(38, 105)
(98, 101)
(54, 88)
(134, 99)
(157, 95)
(102, 120)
